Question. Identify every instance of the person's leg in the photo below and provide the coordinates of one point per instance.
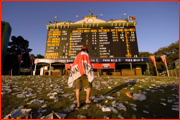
(78, 86)
(77, 97)
(88, 88)
(88, 92)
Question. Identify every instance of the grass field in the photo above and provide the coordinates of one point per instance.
(157, 90)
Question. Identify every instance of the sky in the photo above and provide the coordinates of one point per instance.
(157, 21)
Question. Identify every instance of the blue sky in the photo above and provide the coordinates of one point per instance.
(157, 21)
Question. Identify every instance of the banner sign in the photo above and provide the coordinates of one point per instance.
(163, 59)
(25, 69)
(19, 59)
(96, 66)
(153, 60)
(105, 60)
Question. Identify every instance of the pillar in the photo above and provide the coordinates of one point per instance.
(131, 68)
(148, 67)
(98, 72)
(114, 69)
(34, 70)
(50, 69)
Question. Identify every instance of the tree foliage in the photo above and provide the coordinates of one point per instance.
(37, 56)
(17, 46)
(171, 52)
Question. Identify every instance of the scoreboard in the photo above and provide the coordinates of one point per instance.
(102, 42)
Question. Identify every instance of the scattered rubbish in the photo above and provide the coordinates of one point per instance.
(134, 108)
(106, 101)
(20, 96)
(175, 107)
(121, 107)
(113, 109)
(145, 111)
(21, 113)
(21, 107)
(170, 101)
(118, 93)
(36, 102)
(28, 90)
(163, 104)
(110, 97)
(72, 107)
(86, 107)
(129, 95)
(106, 117)
(43, 110)
(106, 109)
(131, 88)
(67, 110)
(44, 106)
(139, 97)
(134, 105)
(113, 103)
(126, 102)
(120, 116)
(81, 117)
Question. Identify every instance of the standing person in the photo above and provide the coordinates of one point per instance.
(81, 72)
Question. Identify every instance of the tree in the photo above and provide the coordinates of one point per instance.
(17, 46)
(37, 56)
(171, 52)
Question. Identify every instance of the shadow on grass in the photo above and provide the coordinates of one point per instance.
(116, 89)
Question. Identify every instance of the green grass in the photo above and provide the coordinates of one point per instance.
(151, 104)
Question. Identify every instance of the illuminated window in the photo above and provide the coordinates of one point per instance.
(103, 56)
(64, 32)
(86, 30)
(64, 38)
(58, 33)
(112, 30)
(106, 30)
(93, 30)
(100, 30)
(50, 33)
(120, 30)
(132, 29)
(56, 39)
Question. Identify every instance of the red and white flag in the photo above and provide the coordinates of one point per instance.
(153, 60)
(163, 59)
(82, 65)
(31, 59)
(19, 59)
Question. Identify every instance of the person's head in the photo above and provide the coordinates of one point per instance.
(84, 49)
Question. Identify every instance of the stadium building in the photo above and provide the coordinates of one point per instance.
(112, 46)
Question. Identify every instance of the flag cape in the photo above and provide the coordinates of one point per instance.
(153, 60)
(163, 59)
(82, 65)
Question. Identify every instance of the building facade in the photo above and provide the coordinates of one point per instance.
(112, 45)
(5, 35)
